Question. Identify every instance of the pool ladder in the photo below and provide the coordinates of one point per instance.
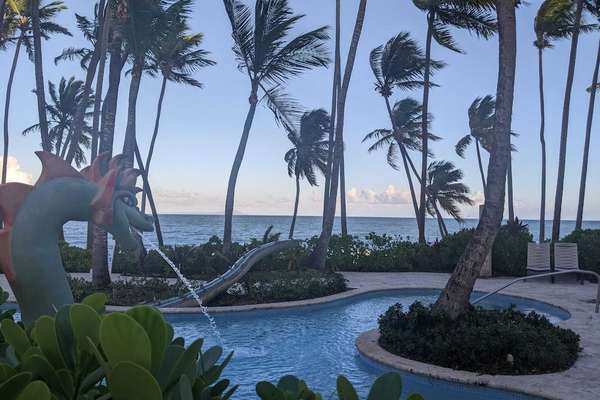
(524, 278)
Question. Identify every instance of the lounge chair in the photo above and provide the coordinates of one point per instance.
(565, 256)
(538, 258)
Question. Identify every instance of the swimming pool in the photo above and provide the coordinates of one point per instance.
(317, 343)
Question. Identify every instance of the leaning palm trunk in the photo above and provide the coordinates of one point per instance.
(130, 134)
(159, 236)
(2, 11)
(454, 299)
(100, 272)
(334, 95)
(440, 219)
(78, 120)
(565, 126)
(343, 214)
(153, 140)
(424, 126)
(235, 169)
(542, 236)
(319, 254)
(39, 73)
(293, 225)
(586, 149)
(11, 77)
(480, 164)
(509, 184)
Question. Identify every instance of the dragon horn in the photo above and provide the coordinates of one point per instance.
(102, 202)
(94, 171)
(54, 167)
(129, 177)
(115, 162)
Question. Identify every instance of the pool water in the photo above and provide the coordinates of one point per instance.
(317, 343)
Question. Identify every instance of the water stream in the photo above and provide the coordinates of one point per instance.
(190, 287)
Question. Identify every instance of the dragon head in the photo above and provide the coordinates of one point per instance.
(114, 207)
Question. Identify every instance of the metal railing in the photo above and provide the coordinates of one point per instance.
(523, 278)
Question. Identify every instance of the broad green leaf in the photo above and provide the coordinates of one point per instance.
(268, 391)
(172, 354)
(64, 335)
(97, 301)
(48, 341)
(123, 339)
(155, 326)
(40, 366)
(186, 364)
(345, 389)
(36, 390)
(6, 371)
(185, 388)
(415, 396)
(291, 384)
(209, 358)
(129, 381)
(85, 323)
(386, 387)
(67, 381)
(11, 388)
(15, 336)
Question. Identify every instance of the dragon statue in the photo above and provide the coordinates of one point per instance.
(33, 217)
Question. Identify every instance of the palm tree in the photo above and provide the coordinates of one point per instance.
(472, 15)
(554, 20)
(401, 64)
(309, 151)
(445, 191)
(262, 51)
(562, 157)
(176, 57)
(319, 254)
(481, 123)
(593, 7)
(454, 299)
(19, 15)
(62, 112)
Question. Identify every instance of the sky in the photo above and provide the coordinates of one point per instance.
(200, 128)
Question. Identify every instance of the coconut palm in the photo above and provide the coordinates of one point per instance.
(19, 17)
(176, 57)
(554, 20)
(593, 6)
(445, 191)
(265, 53)
(562, 156)
(309, 151)
(473, 15)
(481, 124)
(454, 299)
(61, 114)
(400, 64)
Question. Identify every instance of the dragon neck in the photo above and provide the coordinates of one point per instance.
(40, 284)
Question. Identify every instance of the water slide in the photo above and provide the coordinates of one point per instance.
(242, 266)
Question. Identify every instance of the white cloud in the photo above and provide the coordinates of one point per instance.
(14, 172)
(391, 195)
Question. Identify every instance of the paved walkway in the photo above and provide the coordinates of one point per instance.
(580, 382)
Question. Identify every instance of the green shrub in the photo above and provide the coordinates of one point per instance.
(75, 259)
(588, 245)
(483, 341)
(509, 255)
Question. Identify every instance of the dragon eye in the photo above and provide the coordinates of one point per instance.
(129, 199)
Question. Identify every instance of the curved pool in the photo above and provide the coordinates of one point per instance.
(317, 343)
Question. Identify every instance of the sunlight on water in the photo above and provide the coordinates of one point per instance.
(190, 287)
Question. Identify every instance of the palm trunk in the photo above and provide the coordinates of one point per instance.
(565, 126)
(39, 74)
(9, 85)
(405, 160)
(159, 235)
(99, 85)
(100, 272)
(134, 89)
(154, 135)
(542, 235)
(454, 299)
(235, 169)
(343, 215)
(586, 149)
(441, 223)
(2, 11)
(480, 164)
(295, 207)
(319, 254)
(336, 82)
(509, 184)
(424, 125)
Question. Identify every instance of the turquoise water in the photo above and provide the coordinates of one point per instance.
(317, 343)
(195, 229)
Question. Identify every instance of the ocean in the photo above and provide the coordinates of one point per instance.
(197, 229)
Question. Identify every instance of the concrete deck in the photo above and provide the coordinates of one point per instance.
(580, 382)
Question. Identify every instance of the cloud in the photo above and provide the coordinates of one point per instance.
(14, 172)
(391, 195)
